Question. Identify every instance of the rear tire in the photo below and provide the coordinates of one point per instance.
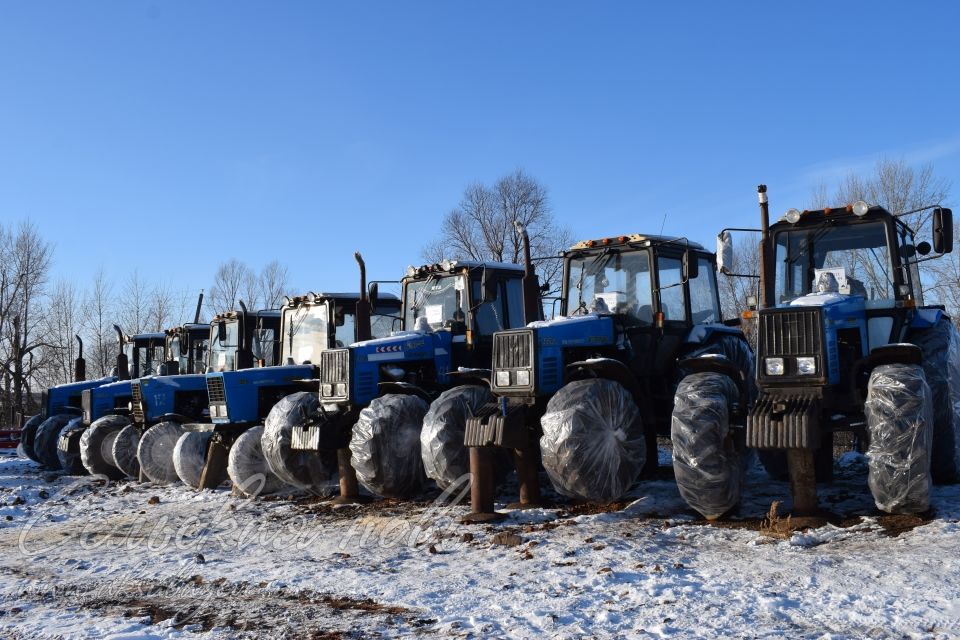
(899, 411)
(124, 451)
(593, 441)
(96, 446)
(45, 443)
(70, 461)
(29, 434)
(707, 462)
(155, 452)
(385, 446)
(248, 468)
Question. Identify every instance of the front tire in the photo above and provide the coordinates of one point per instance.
(311, 471)
(124, 451)
(593, 442)
(707, 462)
(96, 446)
(385, 446)
(899, 411)
(70, 461)
(445, 458)
(45, 443)
(248, 468)
(155, 452)
(190, 458)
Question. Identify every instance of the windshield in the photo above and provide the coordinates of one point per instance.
(612, 281)
(305, 333)
(223, 355)
(851, 259)
(143, 360)
(438, 300)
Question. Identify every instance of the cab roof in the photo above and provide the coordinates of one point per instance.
(452, 266)
(635, 238)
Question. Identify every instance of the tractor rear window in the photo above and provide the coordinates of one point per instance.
(856, 254)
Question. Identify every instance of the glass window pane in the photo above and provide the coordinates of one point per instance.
(703, 294)
(672, 298)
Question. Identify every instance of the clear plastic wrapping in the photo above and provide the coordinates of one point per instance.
(735, 349)
(155, 452)
(125, 450)
(190, 456)
(707, 466)
(309, 470)
(445, 458)
(385, 446)
(248, 469)
(592, 445)
(940, 345)
(70, 460)
(27, 436)
(45, 442)
(97, 444)
(899, 411)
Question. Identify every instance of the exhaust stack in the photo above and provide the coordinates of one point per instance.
(80, 365)
(531, 290)
(196, 316)
(364, 330)
(765, 294)
(123, 363)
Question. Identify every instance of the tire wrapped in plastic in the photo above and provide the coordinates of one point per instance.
(190, 458)
(593, 442)
(737, 350)
(706, 463)
(308, 470)
(70, 461)
(247, 467)
(27, 436)
(899, 412)
(385, 446)
(155, 451)
(445, 458)
(125, 451)
(96, 446)
(940, 345)
(45, 442)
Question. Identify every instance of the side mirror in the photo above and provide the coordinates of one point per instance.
(691, 265)
(724, 252)
(942, 230)
(488, 287)
(373, 292)
(222, 332)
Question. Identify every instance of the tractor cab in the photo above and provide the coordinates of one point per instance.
(145, 353)
(141, 355)
(186, 349)
(241, 340)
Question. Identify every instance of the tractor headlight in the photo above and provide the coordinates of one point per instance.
(774, 366)
(326, 389)
(503, 378)
(213, 410)
(523, 378)
(341, 389)
(806, 366)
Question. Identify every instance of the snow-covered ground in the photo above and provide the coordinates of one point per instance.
(129, 560)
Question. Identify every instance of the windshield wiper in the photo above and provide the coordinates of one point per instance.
(583, 272)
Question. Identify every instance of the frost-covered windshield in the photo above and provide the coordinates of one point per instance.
(848, 258)
(611, 281)
(305, 333)
(223, 355)
(440, 300)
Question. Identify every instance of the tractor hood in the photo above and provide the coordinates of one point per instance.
(238, 392)
(105, 399)
(158, 394)
(383, 359)
(58, 398)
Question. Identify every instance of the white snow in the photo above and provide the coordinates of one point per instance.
(96, 562)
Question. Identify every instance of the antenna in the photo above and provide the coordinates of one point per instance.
(663, 223)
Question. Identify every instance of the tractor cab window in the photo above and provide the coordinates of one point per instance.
(264, 345)
(437, 302)
(198, 356)
(223, 355)
(305, 333)
(909, 256)
(851, 259)
(704, 302)
(383, 321)
(173, 351)
(673, 302)
(493, 316)
(144, 358)
(612, 281)
(346, 325)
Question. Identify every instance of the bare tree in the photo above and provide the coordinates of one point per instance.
(61, 325)
(97, 322)
(273, 284)
(231, 279)
(135, 303)
(482, 226)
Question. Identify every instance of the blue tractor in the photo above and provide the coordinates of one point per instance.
(166, 407)
(845, 343)
(63, 406)
(640, 349)
(377, 397)
(114, 412)
(310, 325)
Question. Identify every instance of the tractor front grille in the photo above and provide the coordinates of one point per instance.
(136, 401)
(513, 349)
(334, 366)
(86, 403)
(215, 392)
(790, 333)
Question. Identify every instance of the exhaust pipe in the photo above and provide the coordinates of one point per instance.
(765, 294)
(363, 328)
(196, 316)
(123, 363)
(531, 290)
(80, 365)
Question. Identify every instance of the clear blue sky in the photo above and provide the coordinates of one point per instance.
(171, 136)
